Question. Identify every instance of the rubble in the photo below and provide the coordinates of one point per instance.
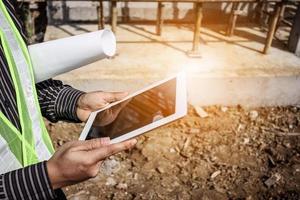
(272, 180)
(160, 170)
(81, 195)
(253, 114)
(287, 134)
(110, 166)
(224, 109)
(172, 150)
(110, 182)
(201, 112)
(215, 174)
(246, 141)
(224, 156)
(122, 186)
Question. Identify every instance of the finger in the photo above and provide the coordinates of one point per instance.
(120, 106)
(114, 96)
(104, 152)
(89, 145)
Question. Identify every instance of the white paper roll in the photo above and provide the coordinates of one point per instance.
(52, 58)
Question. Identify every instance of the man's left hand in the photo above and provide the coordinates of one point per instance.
(93, 101)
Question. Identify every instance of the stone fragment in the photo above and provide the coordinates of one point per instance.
(135, 176)
(194, 130)
(272, 180)
(122, 186)
(224, 109)
(186, 143)
(160, 169)
(110, 181)
(172, 150)
(296, 168)
(60, 142)
(157, 146)
(253, 114)
(215, 174)
(246, 141)
(201, 112)
(271, 161)
(81, 195)
(110, 166)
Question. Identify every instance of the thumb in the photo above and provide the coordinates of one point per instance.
(92, 144)
(114, 96)
(100, 154)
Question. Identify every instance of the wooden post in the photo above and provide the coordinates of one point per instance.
(272, 27)
(100, 15)
(114, 16)
(31, 21)
(125, 12)
(297, 51)
(159, 20)
(294, 38)
(199, 15)
(262, 15)
(258, 12)
(65, 11)
(232, 19)
(281, 16)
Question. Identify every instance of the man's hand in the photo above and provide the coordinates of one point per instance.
(80, 160)
(109, 115)
(93, 101)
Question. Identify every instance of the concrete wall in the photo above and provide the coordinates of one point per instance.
(247, 91)
(205, 91)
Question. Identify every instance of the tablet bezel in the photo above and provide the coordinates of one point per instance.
(180, 110)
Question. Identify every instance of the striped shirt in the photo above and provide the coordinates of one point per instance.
(57, 102)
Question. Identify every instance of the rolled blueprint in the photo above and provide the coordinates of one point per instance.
(52, 58)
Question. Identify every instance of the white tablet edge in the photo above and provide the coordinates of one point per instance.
(181, 109)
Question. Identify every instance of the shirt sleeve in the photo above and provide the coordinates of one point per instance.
(58, 101)
(31, 182)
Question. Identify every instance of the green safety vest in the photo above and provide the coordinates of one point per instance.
(32, 144)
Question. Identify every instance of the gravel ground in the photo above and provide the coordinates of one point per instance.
(232, 153)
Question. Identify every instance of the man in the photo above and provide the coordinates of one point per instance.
(25, 145)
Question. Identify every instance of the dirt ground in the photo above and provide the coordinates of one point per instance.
(234, 153)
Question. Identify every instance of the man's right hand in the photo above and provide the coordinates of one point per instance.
(80, 160)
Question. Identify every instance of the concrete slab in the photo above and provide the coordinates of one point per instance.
(231, 70)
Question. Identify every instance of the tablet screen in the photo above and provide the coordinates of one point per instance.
(141, 110)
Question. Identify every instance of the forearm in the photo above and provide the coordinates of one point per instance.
(27, 183)
(66, 104)
(58, 101)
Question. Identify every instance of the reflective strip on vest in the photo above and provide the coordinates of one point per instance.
(43, 153)
(6, 156)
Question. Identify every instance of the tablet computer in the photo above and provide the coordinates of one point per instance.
(140, 112)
